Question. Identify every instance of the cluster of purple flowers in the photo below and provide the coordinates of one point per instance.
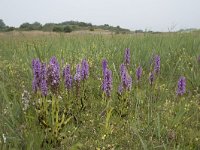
(139, 73)
(157, 64)
(36, 66)
(48, 76)
(44, 76)
(107, 82)
(39, 79)
(68, 79)
(126, 80)
(127, 56)
(43, 84)
(156, 69)
(53, 74)
(151, 78)
(77, 76)
(107, 79)
(181, 89)
(104, 65)
(84, 69)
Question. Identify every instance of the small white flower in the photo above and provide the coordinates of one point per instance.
(25, 100)
(4, 138)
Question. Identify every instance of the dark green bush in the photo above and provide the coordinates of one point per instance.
(8, 29)
(67, 29)
(57, 29)
(28, 27)
(91, 29)
(2, 24)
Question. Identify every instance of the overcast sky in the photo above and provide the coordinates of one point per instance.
(157, 15)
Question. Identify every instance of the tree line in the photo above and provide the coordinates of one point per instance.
(67, 26)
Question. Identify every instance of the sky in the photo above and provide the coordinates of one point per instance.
(156, 15)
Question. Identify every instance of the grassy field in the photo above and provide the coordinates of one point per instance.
(149, 117)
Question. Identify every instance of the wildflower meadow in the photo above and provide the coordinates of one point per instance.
(96, 91)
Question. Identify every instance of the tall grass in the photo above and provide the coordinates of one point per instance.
(156, 118)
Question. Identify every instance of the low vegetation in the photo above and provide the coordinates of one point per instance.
(93, 91)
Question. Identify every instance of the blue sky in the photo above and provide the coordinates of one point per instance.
(157, 15)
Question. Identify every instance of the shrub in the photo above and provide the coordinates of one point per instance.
(8, 29)
(67, 29)
(2, 24)
(57, 29)
(34, 26)
(91, 29)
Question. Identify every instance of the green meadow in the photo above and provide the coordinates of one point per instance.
(146, 117)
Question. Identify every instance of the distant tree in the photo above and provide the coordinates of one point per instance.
(69, 23)
(117, 30)
(36, 26)
(139, 31)
(28, 26)
(83, 24)
(48, 27)
(8, 29)
(89, 24)
(2, 24)
(69, 26)
(74, 27)
(25, 26)
(57, 29)
(67, 29)
(150, 31)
